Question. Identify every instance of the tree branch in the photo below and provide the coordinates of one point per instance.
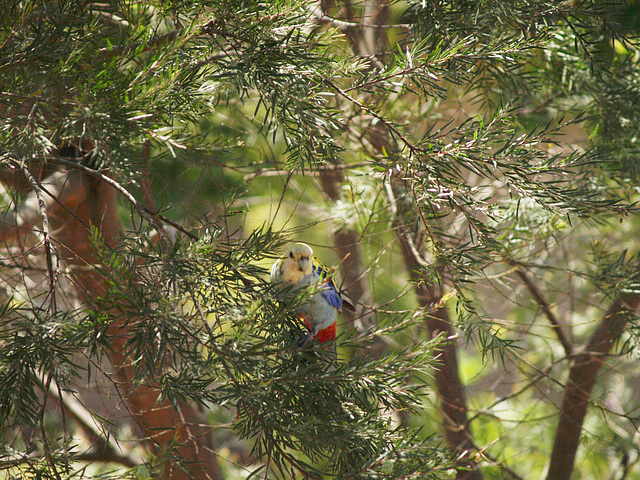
(106, 448)
(388, 125)
(544, 305)
(46, 233)
(27, 213)
(318, 171)
(323, 18)
(143, 210)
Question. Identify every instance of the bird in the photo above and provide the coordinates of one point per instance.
(299, 269)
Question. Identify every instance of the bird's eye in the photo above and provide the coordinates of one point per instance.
(290, 254)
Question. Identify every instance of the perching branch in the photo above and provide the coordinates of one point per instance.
(143, 210)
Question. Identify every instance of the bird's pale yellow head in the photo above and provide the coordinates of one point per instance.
(297, 261)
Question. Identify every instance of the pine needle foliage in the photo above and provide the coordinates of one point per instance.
(215, 333)
(455, 117)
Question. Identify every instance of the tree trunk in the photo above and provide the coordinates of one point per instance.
(450, 389)
(582, 378)
(356, 285)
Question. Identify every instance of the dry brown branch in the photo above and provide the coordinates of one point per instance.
(26, 214)
(46, 232)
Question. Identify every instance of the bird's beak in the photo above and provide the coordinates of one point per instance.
(302, 264)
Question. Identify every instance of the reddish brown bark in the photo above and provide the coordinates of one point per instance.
(450, 389)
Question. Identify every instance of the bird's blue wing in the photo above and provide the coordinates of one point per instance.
(332, 296)
(330, 292)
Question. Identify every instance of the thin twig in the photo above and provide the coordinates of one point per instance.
(401, 232)
(544, 305)
(582, 378)
(342, 24)
(413, 148)
(64, 427)
(274, 172)
(532, 382)
(42, 206)
(145, 182)
(26, 213)
(43, 433)
(144, 211)
(103, 442)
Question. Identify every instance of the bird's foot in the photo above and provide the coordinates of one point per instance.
(304, 339)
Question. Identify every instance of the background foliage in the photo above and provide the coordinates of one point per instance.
(469, 167)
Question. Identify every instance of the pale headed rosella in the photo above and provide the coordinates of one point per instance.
(299, 269)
